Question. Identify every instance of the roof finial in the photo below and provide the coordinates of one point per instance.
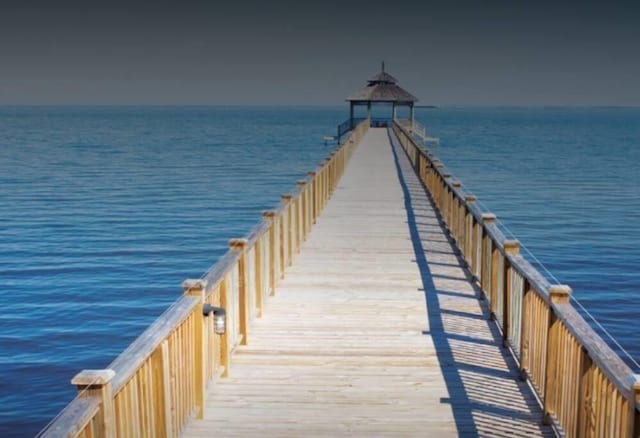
(382, 66)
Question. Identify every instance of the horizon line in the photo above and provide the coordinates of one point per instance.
(281, 105)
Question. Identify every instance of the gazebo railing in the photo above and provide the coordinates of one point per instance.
(348, 125)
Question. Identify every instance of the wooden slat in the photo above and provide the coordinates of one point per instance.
(129, 361)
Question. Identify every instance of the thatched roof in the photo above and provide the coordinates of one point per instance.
(382, 88)
(383, 77)
(382, 93)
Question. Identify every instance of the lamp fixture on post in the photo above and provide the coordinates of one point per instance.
(219, 317)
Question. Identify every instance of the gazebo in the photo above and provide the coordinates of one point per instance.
(382, 89)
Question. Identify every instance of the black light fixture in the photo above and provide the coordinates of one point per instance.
(219, 317)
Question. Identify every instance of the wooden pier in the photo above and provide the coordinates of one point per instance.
(405, 312)
(376, 330)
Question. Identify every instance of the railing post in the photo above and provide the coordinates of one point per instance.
(332, 172)
(197, 288)
(258, 284)
(470, 241)
(446, 202)
(328, 178)
(510, 247)
(438, 166)
(528, 320)
(558, 294)
(302, 232)
(455, 214)
(270, 216)
(486, 268)
(323, 185)
(240, 246)
(314, 196)
(226, 339)
(97, 383)
(320, 189)
(286, 235)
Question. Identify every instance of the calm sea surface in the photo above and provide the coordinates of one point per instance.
(104, 211)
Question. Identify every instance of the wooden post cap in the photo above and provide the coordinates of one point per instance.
(559, 293)
(470, 199)
(301, 182)
(446, 175)
(456, 184)
(93, 377)
(238, 243)
(511, 246)
(191, 284)
(311, 173)
(268, 214)
(488, 218)
(438, 165)
(286, 197)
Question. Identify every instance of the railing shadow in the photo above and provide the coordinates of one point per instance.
(486, 395)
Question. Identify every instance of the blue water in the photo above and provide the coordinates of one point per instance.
(106, 210)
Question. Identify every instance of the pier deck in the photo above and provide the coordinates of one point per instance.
(377, 329)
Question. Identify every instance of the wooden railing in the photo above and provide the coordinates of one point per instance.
(158, 383)
(348, 125)
(585, 388)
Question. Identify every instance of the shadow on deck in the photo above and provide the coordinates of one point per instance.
(486, 393)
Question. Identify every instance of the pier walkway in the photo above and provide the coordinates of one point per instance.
(376, 330)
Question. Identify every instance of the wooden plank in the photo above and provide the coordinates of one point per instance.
(167, 389)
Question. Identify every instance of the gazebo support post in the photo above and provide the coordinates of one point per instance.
(351, 115)
(412, 111)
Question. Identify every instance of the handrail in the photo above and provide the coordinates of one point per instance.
(348, 125)
(158, 382)
(418, 130)
(585, 388)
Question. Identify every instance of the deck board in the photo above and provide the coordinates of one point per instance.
(352, 345)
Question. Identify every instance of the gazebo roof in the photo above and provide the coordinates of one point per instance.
(382, 88)
(382, 93)
(383, 77)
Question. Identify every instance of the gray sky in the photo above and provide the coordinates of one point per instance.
(296, 52)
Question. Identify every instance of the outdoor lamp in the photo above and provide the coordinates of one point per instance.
(219, 317)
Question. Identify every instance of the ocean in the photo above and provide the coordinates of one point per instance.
(105, 210)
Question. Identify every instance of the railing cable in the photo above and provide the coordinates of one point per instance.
(604, 330)
(79, 395)
(555, 280)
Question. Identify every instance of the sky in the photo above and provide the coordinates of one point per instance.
(248, 52)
